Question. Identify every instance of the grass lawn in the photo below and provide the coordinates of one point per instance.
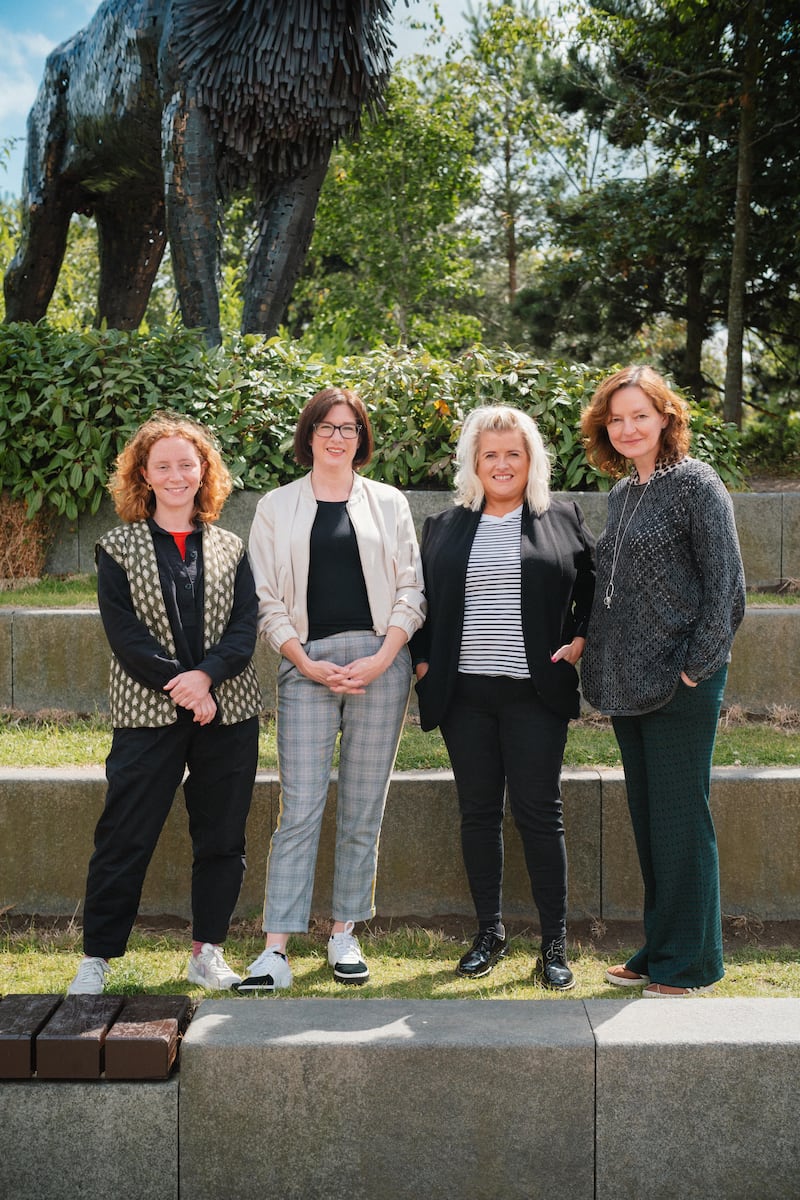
(60, 740)
(410, 961)
(80, 591)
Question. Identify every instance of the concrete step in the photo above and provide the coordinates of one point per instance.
(483, 1099)
(47, 820)
(59, 659)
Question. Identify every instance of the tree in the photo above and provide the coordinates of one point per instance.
(527, 151)
(701, 94)
(386, 262)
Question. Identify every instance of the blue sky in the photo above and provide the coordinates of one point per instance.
(29, 29)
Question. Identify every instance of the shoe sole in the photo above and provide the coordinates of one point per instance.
(259, 984)
(554, 987)
(618, 981)
(490, 966)
(213, 987)
(356, 979)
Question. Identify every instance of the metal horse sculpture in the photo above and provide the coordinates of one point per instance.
(158, 112)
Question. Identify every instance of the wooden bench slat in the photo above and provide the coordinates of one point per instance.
(143, 1042)
(21, 1019)
(71, 1045)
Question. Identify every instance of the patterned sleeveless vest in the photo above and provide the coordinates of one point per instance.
(133, 705)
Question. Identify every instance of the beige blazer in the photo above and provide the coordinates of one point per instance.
(279, 545)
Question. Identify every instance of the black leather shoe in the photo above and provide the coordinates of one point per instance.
(553, 970)
(487, 949)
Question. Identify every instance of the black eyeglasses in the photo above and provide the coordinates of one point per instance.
(349, 431)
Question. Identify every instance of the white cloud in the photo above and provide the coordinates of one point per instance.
(22, 57)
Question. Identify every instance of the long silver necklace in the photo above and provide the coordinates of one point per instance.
(618, 540)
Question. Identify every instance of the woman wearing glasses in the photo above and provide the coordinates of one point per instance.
(339, 582)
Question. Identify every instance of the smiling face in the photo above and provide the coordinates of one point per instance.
(174, 471)
(335, 452)
(634, 427)
(502, 467)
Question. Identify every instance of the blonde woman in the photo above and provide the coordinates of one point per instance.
(178, 605)
(509, 578)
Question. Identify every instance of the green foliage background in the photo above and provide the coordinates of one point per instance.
(70, 399)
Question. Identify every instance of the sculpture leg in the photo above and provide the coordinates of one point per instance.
(33, 271)
(131, 240)
(192, 210)
(286, 223)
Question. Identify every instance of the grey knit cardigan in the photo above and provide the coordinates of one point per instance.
(678, 590)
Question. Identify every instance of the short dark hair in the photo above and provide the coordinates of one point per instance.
(317, 409)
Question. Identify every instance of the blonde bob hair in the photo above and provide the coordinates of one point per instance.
(500, 418)
(133, 497)
(675, 436)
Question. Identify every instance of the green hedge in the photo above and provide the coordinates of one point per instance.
(69, 400)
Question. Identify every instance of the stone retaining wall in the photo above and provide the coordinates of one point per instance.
(59, 659)
(768, 524)
(47, 820)
(484, 1099)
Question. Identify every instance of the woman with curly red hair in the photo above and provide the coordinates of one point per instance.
(178, 605)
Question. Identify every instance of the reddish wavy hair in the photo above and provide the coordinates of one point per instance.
(133, 499)
(675, 437)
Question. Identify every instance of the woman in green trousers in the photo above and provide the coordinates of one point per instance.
(669, 598)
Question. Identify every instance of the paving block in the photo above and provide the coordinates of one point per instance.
(757, 817)
(697, 1098)
(790, 562)
(143, 1041)
(763, 670)
(386, 1098)
(59, 657)
(22, 1017)
(71, 1044)
(758, 518)
(89, 1141)
(6, 658)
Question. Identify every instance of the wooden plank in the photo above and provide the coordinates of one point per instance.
(143, 1042)
(21, 1018)
(71, 1045)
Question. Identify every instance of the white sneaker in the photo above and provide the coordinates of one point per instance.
(344, 955)
(209, 969)
(267, 973)
(90, 978)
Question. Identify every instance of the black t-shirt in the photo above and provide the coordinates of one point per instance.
(337, 595)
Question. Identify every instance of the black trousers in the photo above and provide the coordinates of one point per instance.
(498, 734)
(144, 770)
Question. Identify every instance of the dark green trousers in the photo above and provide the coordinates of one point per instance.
(666, 755)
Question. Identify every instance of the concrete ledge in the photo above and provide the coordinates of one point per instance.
(47, 820)
(61, 1141)
(381, 1098)
(352, 1098)
(697, 1098)
(768, 524)
(59, 659)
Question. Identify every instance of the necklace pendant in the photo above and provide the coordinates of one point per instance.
(608, 595)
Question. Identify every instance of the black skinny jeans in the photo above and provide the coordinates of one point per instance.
(498, 734)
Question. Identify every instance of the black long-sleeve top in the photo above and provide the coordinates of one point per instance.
(141, 654)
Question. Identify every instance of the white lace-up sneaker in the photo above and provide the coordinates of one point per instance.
(90, 978)
(267, 973)
(344, 955)
(210, 971)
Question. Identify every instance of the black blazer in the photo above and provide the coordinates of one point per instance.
(557, 552)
